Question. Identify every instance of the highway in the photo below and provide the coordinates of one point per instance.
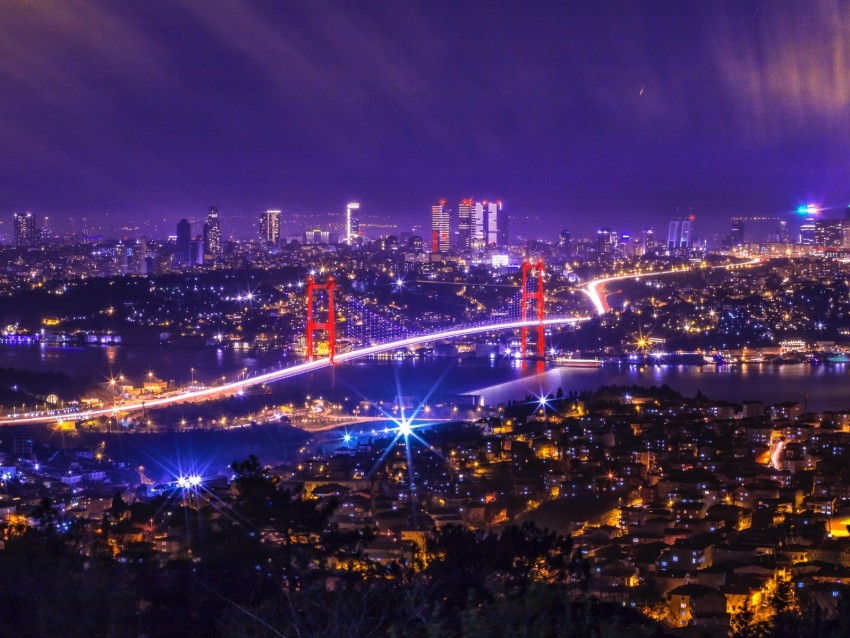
(593, 289)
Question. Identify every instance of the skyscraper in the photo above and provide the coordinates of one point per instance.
(270, 227)
(440, 227)
(26, 234)
(604, 244)
(184, 239)
(679, 233)
(352, 222)
(648, 240)
(212, 233)
(464, 224)
(807, 231)
(489, 226)
(736, 232)
(829, 233)
(783, 233)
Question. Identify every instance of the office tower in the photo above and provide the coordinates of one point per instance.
(829, 233)
(440, 228)
(679, 233)
(807, 231)
(212, 233)
(270, 227)
(464, 224)
(736, 232)
(184, 239)
(489, 225)
(648, 237)
(603, 241)
(497, 224)
(478, 226)
(783, 233)
(352, 222)
(26, 234)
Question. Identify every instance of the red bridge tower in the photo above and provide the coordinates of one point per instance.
(313, 325)
(536, 298)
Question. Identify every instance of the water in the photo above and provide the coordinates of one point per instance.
(823, 387)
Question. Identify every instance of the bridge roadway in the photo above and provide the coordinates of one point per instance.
(234, 387)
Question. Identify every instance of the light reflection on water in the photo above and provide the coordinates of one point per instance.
(825, 387)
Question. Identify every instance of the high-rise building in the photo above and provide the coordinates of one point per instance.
(212, 233)
(648, 240)
(829, 233)
(440, 227)
(488, 225)
(270, 227)
(603, 241)
(736, 232)
(807, 231)
(352, 222)
(679, 233)
(464, 224)
(184, 239)
(783, 233)
(497, 224)
(26, 233)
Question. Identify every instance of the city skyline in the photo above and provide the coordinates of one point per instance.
(612, 110)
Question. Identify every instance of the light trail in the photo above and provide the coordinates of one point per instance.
(600, 303)
(234, 387)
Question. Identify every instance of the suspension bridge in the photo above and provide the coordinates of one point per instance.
(532, 317)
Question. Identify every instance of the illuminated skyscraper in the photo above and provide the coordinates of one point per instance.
(464, 224)
(679, 233)
(352, 222)
(212, 233)
(26, 234)
(829, 233)
(489, 225)
(270, 227)
(807, 231)
(440, 227)
(648, 240)
(603, 241)
(783, 233)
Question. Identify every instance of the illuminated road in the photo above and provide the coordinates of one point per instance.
(234, 387)
(600, 301)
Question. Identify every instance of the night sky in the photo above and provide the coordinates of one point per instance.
(579, 113)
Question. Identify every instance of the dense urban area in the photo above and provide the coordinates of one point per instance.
(571, 513)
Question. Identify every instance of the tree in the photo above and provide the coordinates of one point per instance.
(744, 624)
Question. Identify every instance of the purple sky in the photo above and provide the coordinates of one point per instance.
(579, 113)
